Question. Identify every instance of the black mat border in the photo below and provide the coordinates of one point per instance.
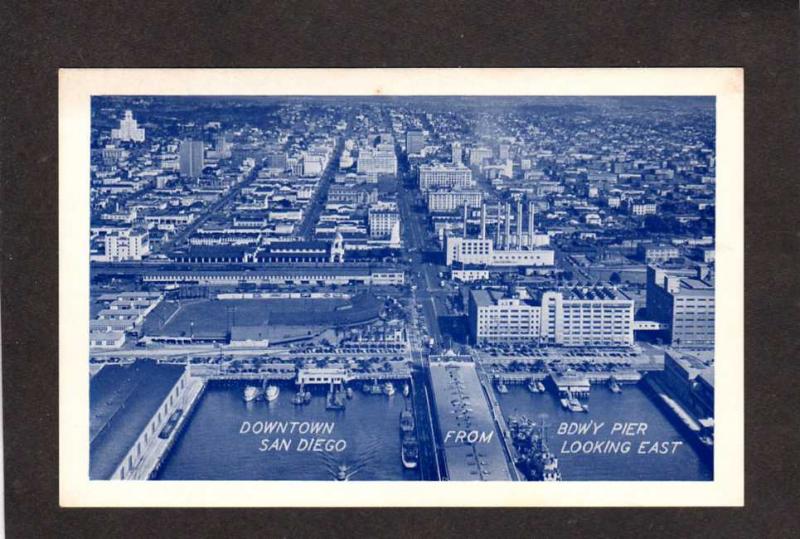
(38, 37)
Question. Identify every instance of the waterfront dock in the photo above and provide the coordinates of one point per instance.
(158, 449)
(470, 435)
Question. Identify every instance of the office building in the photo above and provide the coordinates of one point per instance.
(415, 141)
(129, 129)
(684, 304)
(577, 316)
(374, 161)
(382, 219)
(478, 155)
(449, 200)
(191, 158)
(444, 176)
(127, 244)
(456, 153)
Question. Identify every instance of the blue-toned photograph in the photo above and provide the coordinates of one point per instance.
(396, 288)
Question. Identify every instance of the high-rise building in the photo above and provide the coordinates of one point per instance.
(450, 176)
(191, 158)
(415, 141)
(374, 161)
(684, 304)
(478, 155)
(129, 129)
(581, 316)
(382, 218)
(504, 152)
(127, 244)
(456, 155)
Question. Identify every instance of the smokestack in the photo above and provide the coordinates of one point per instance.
(519, 223)
(507, 239)
(497, 227)
(531, 213)
(465, 220)
(483, 221)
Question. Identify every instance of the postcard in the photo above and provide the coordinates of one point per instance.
(401, 287)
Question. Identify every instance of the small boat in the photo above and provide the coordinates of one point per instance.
(540, 386)
(349, 392)
(501, 387)
(613, 385)
(406, 390)
(532, 387)
(375, 388)
(271, 393)
(409, 453)
(576, 406)
(388, 388)
(565, 404)
(334, 400)
(251, 393)
(406, 421)
(343, 473)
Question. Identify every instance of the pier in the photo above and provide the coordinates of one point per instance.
(158, 449)
(469, 431)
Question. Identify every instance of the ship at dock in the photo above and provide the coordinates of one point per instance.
(409, 448)
(532, 455)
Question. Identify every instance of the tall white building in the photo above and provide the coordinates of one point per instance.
(127, 244)
(447, 176)
(373, 161)
(129, 129)
(588, 316)
(449, 200)
(382, 219)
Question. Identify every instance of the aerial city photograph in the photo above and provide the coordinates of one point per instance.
(392, 288)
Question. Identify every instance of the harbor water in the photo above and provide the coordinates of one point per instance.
(230, 439)
(591, 446)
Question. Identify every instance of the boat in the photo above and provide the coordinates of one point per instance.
(251, 393)
(388, 388)
(565, 404)
(271, 393)
(374, 388)
(614, 386)
(343, 473)
(334, 400)
(540, 386)
(501, 387)
(532, 387)
(301, 397)
(349, 392)
(406, 421)
(532, 455)
(409, 452)
(406, 390)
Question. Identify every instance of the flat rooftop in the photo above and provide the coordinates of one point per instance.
(122, 401)
(461, 406)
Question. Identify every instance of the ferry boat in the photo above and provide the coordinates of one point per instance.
(501, 387)
(388, 388)
(271, 393)
(532, 455)
(409, 452)
(576, 406)
(251, 393)
(406, 421)
(614, 386)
